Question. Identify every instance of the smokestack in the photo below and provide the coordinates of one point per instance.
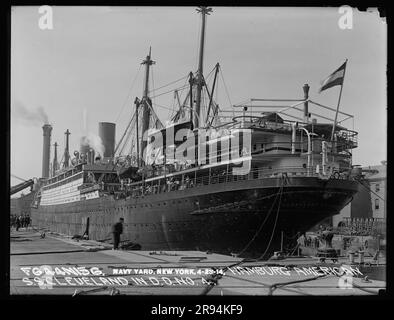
(106, 132)
(306, 96)
(91, 156)
(47, 130)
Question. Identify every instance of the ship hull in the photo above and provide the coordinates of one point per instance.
(245, 217)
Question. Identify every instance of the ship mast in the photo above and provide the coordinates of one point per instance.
(200, 80)
(54, 165)
(146, 112)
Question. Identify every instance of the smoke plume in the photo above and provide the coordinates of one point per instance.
(89, 139)
(94, 142)
(33, 117)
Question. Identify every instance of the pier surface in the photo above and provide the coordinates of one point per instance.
(92, 268)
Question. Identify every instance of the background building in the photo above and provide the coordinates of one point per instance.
(369, 204)
(378, 185)
(21, 205)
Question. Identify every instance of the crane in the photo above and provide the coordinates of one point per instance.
(23, 185)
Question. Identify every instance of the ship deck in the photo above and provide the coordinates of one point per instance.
(182, 272)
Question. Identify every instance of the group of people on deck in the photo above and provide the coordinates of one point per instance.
(170, 184)
(127, 187)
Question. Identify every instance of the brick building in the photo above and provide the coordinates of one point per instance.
(21, 205)
(370, 202)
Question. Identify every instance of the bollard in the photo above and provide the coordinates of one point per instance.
(351, 256)
(361, 257)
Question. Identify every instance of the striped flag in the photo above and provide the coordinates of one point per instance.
(335, 79)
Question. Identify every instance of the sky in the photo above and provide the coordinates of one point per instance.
(88, 66)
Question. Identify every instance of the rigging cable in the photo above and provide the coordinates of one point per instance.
(276, 220)
(186, 83)
(153, 84)
(18, 178)
(261, 225)
(369, 189)
(215, 278)
(282, 284)
(130, 132)
(160, 106)
(171, 115)
(125, 132)
(225, 86)
(181, 96)
(129, 93)
(209, 74)
(170, 83)
(290, 237)
(154, 115)
(216, 111)
(158, 95)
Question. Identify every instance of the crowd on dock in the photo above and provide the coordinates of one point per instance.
(308, 241)
(22, 221)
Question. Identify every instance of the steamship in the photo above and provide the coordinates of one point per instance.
(283, 175)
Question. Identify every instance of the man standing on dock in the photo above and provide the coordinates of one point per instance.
(18, 222)
(117, 230)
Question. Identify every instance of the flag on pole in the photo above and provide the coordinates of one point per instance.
(335, 79)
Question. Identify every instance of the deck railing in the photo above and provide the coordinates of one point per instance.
(182, 181)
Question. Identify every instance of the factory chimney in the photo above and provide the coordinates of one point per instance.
(47, 130)
(306, 97)
(67, 150)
